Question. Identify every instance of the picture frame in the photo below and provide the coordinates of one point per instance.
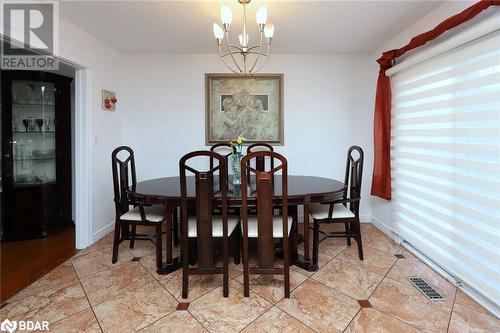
(250, 106)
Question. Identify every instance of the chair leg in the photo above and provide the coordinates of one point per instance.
(315, 242)
(116, 241)
(132, 237)
(246, 279)
(193, 247)
(225, 267)
(175, 227)
(348, 233)
(159, 260)
(357, 230)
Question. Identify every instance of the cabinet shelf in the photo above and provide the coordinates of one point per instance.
(34, 132)
(36, 159)
(33, 104)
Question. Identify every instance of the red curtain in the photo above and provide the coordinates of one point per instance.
(381, 181)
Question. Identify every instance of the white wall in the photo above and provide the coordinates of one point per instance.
(328, 106)
(382, 209)
(103, 64)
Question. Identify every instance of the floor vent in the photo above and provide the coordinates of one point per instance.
(426, 289)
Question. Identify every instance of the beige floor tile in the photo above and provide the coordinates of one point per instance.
(376, 239)
(271, 287)
(465, 319)
(199, 285)
(276, 321)
(228, 314)
(348, 279)
(98, 260)
(62, 275)
(409, 305)
(112, 282)
(175, 322)
(320, 307)
(405, 268)
(81, 322)
(373, 260)
(51, 305)
(136, 309)
(463, 299)
(370, 320)
(330, 247)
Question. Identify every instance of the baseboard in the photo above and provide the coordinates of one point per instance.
(386, 230)
(102, 232)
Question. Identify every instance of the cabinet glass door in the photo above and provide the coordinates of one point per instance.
(33, 133)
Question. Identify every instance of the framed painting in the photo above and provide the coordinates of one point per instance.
(250, 106)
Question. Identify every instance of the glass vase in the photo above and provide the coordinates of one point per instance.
(236, 165)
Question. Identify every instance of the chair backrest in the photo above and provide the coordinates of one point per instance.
(260, 162)
(203, 187)
(264, 180)
(354, 174)
(124, 177)
(224, 149)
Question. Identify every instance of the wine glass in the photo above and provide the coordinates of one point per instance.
(46, 122)
(39, 123)
(26, 124)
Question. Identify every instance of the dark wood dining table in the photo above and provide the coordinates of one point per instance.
(302, 190)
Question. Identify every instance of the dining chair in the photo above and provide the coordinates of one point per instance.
(144, 212)
(198, 232)
(345, 210)
(265, 226)
(224, 149)
(260, 162)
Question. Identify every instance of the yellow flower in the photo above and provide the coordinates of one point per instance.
(239, 140)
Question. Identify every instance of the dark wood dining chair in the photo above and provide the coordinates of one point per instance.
(345, 210)
(143, 213)
(225, 150)
(200, 230)
(260, 162)
(265, 226)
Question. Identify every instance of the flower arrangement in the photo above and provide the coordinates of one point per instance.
(237, 145)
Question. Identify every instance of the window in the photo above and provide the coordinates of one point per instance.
(446, 161)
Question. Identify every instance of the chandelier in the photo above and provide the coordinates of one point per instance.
(243, 58)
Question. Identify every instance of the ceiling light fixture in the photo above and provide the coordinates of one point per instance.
(244, 65)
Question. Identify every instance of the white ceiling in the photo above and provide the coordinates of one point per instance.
(302, 27)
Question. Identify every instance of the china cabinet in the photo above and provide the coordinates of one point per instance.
(36, 154)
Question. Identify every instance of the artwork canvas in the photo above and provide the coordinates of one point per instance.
(251, 106)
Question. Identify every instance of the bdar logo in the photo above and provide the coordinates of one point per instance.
(9, 326)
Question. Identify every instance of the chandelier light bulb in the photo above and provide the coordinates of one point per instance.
(218, 32)
(226, 15)
(262, 15)
(244, 40)
(269, 30)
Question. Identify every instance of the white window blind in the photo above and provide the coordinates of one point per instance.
(446, 161)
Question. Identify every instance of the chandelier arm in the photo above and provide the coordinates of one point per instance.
(229, 48)
(266, 59)
(224, 61)
(258, 54)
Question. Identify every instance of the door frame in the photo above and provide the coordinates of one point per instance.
(83, 157)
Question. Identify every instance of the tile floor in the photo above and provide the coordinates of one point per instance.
(89, 294)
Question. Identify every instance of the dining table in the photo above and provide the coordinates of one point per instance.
(302, 191)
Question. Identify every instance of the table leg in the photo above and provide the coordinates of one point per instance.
(169, 235)
(172, 264)
(304, 261)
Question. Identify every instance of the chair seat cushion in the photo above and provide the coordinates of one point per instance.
(232, 222)
(320, 211)
(277, 226)
(155, 213)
